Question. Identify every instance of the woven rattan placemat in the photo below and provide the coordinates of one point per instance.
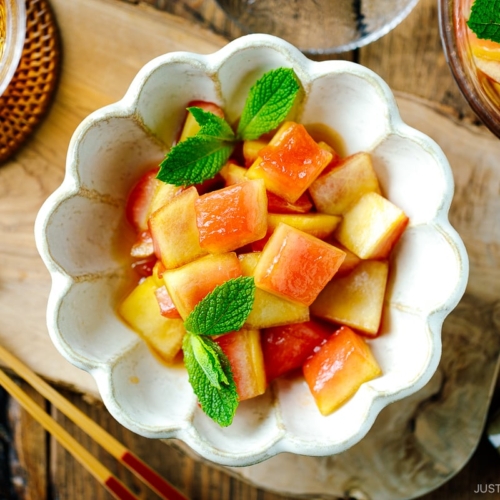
(27, 98)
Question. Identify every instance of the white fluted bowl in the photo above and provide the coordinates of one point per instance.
(79, 228)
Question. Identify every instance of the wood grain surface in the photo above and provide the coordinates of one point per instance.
(431, 435)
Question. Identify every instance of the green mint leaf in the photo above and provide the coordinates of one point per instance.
(194, 160)
(268, 103)
(212, 125)
(484, 19)
(219, 403)
(223, 310)
(208, 359)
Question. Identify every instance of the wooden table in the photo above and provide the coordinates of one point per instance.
(32, 464)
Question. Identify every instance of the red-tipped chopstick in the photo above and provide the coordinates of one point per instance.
(157, 483)
(101, 473)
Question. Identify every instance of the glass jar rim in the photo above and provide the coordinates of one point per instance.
(15, 32)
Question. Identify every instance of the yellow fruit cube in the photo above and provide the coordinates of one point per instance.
(268, 309)
(232, 173)
(251, 150)
(320, 225)
(174, 231)
(350, 262)
(191, 127)
(338, 188)
(163, 194)
(141, 311)
(371, 227)
(355, 300)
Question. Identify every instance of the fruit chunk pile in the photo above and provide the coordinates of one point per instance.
(481, 18)
(310, 227)
(486, 56)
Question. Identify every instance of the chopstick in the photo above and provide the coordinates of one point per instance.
(101, 473)
(157, 483)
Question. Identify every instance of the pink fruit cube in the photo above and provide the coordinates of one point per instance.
(232, 217)
(296, 265)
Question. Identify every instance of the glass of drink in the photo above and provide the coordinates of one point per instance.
(319, 26)
(12, 34)
(474, 63)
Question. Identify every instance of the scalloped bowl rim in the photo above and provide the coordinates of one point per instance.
(307, 71)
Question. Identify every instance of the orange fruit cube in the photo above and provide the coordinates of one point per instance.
(232, 217)
(337, 370)
(290, 163)
(188, 284)
(296, 266)
(269, 309)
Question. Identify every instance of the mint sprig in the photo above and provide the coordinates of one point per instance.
(209, 360)
(484, 19)
(212, 125)
(268, 103)
(218, 402)
(200, 157)
(223, 310)
(194, 160)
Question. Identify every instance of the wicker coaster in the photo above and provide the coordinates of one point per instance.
(27, 98)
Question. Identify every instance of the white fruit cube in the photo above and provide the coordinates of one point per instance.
(338, 188)
(174, 231)
(371, 227)
(355, 300)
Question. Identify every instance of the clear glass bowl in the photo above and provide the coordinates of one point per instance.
(319, 26)
(481, 93)
(12, 34)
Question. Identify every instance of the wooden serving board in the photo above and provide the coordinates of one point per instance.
(416, 444)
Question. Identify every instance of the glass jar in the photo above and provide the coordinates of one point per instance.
(319, 26)
(12, 34)
(471, 62)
